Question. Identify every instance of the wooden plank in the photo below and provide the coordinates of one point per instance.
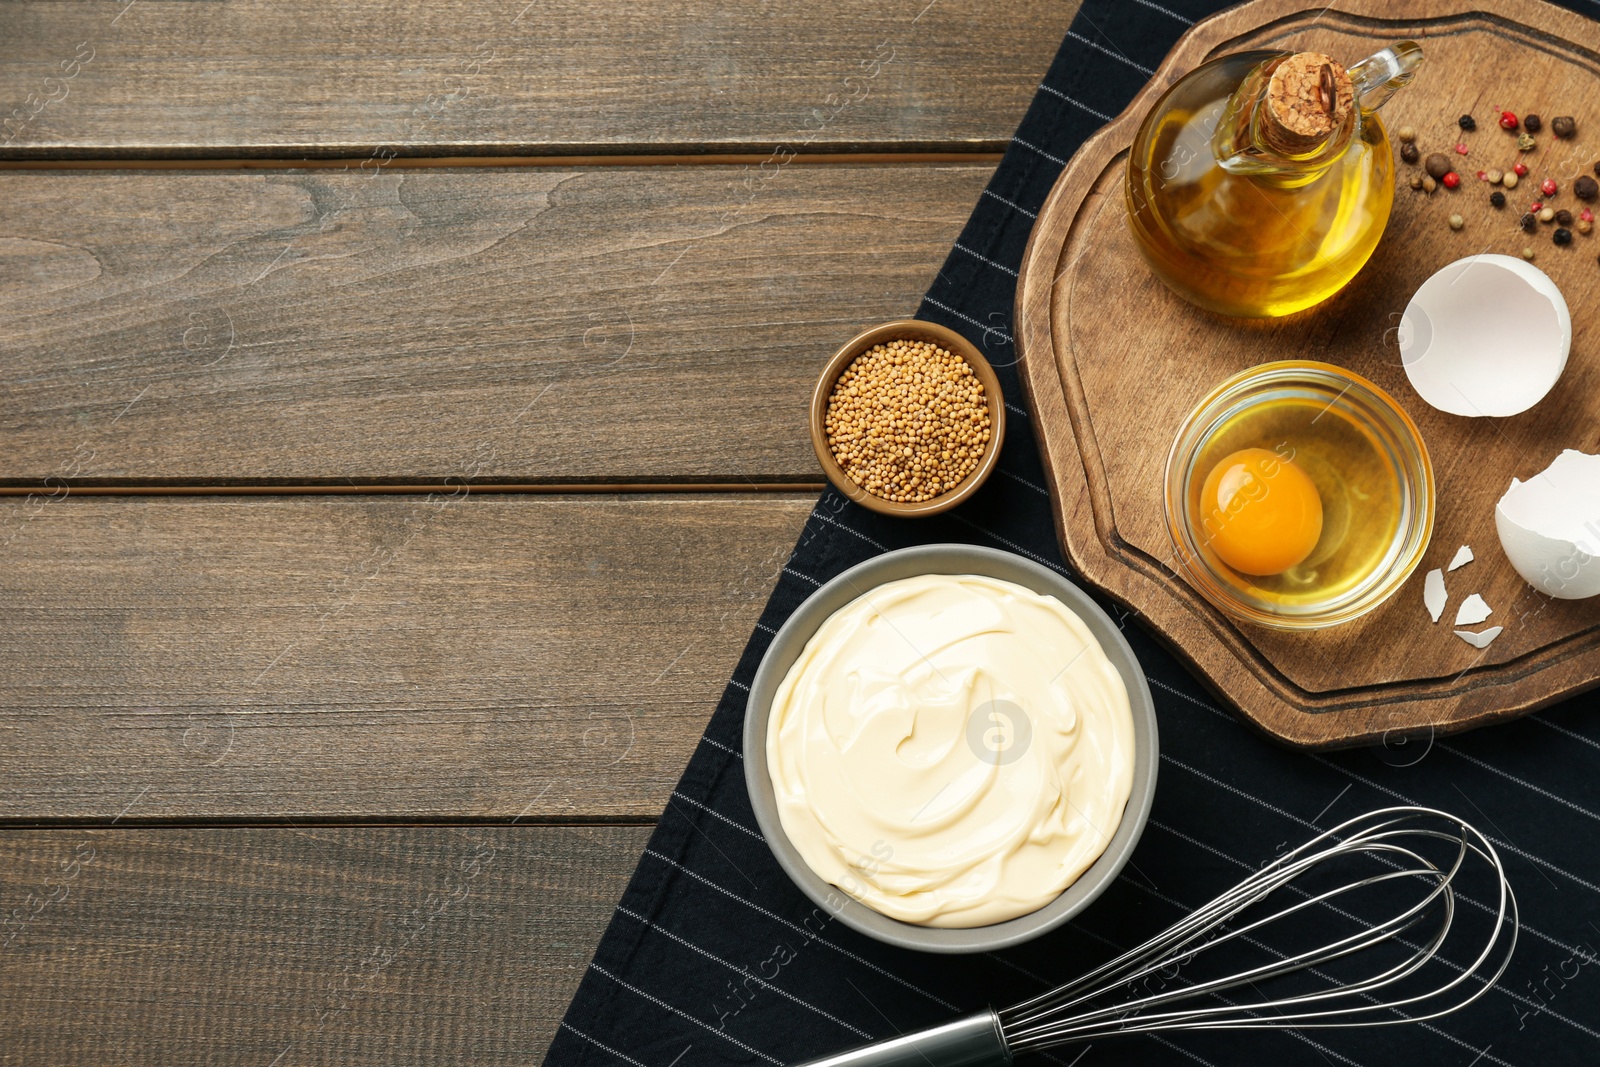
(632, 324)
(371, 657)
(378, 945)
(372, 77)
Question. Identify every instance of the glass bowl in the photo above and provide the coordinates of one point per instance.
(1376, 524)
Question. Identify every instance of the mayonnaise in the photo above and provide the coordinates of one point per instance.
(951, 750)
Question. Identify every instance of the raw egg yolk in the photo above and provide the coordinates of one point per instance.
(1261, 513)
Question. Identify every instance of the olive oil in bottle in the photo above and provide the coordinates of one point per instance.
(1260, 183)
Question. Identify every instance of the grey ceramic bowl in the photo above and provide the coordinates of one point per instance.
(948, 559)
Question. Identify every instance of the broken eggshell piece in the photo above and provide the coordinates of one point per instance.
(1480, 640)
(1486, 335)
(1473, 610)
(1549, 526)
(1434, 596)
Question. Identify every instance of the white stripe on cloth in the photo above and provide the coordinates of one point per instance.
(686, 943)
(603, 1048)
(800, 929)
(985, 327)
(1174, 14)
(1492, 769)
(1112, 52)
(725, 748)
(715, 814)
(684, 1015)
(1079, 104)
(1054, 159)
(1395, 793)
(849, 529)
(1041, 490)
(803, 577)
(1013, 206)
(985, 259)
(1575, 735)
(1012, 545)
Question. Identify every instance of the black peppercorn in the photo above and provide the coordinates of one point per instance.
(1563, 217)
(1532, 123)
(1410, 152)
(1562, 236)
(1586, 188)
(1563, 126)
(1467, 122)
(1528, 223)
(1497, 198)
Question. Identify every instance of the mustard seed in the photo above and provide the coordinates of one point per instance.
(907, 421)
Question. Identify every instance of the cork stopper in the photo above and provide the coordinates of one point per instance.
(1308, 98)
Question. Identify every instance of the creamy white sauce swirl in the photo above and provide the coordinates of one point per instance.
(951, 750)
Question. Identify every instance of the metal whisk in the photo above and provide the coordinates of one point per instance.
(1340, 968)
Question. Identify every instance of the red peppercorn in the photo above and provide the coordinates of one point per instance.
(1451, 180)
(1483, 175)
(1521, 169)
(1461, 149)
(1508, 120)
(1536, 207)
(1549, 187)
(1587, 215)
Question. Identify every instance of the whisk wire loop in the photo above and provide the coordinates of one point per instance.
(1380, 974)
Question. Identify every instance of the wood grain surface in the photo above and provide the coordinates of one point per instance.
(1087, 372)
(376, 78)
(323, 327)
(371, 657)
(286, 946)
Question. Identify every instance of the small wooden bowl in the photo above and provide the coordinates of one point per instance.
(908, 330)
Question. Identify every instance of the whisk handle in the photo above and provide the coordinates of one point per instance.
(975, 1041)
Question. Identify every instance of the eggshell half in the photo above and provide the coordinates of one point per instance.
(1486, 335)
(1549, 526)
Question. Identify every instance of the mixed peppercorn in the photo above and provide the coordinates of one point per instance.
(1437, 168)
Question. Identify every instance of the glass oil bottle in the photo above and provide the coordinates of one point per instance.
(1261, 182)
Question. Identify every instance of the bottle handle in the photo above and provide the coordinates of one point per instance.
(1379, 76)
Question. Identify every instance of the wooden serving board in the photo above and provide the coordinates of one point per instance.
(1113, 362)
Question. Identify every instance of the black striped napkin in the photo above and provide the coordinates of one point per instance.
(713, 956)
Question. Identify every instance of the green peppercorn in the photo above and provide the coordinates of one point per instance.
(1526, 143)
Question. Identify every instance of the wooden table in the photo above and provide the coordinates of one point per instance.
(402, 422)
